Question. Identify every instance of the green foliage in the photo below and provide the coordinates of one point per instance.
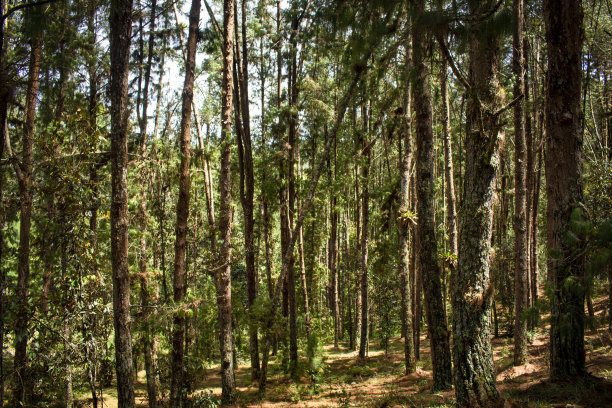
(205, 399)
(344, 399)
(314, 358)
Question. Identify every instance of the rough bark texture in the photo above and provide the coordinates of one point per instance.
(120, 38)
(223, 273)
(472, 352)
(426, 229)
(529, 180)
(182, 211)
(24, 176)
(521, 250)
(564, 36)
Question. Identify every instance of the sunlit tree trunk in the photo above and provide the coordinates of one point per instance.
(404, 230)
(223, 273)
(472, 351)
(521, 248)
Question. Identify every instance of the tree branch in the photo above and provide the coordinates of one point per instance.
(213, 19)
(451, 62)
(509, 105)
(13, 9)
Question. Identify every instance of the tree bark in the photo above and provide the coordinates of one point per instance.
(293, 123)
(223, 273)
(473, 356)
(427, 247)
(451, 200)
(24, 176)
(247, 199)
(564, 36)
(404, 230)
(521, 247)
(365, 230)
(120, 38)
(182, 212)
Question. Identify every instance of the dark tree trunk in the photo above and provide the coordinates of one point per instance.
(247, 199)
(293, 122)
(358, 215)
(24, 176)
(223, 273)
(521, 251)
(120, 38)
(473, 356)
(333, 267)
(428, 249)
(182, 211)
(333, 249)
(530, 179)
(365, 227)
(564, 36)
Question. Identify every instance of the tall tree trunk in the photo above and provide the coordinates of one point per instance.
(333, 249)
(24, 176)
(182, 211)
(223, 273)
(426, 229)
(451, 206)
(538, 114)
(303, 279)
(529, 180)
(247, 198)
(417, 281)
(472, 351)
(120, 38)
(365, 228)
(404, 230)
(564, 36)
(358, 231)
(147, 75)
(521, 252)
(293, 128)
(148, 341)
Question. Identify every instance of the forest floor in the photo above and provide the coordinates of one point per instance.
(379, 381)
